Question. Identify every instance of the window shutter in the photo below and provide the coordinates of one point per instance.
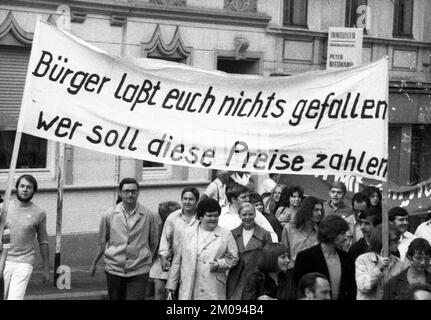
(13, 69)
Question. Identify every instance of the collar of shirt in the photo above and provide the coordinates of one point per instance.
(128, 215)
(406, 235)
(302, 229)
(184, 217)
(335, 207)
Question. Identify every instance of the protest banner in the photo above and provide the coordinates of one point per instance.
(314, 123)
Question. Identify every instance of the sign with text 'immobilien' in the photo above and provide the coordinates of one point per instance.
(344, 48)
(314, 123)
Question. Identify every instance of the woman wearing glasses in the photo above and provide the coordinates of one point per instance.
(419, 255)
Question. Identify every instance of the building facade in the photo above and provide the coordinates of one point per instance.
(269, 38)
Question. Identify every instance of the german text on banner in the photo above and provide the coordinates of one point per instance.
(315, 123)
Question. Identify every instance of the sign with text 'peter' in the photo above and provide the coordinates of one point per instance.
(314, 123)
(344, 48)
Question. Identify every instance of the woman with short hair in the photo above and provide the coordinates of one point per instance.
(157, 274)
(271, 281)
(250, 239)
(206, 252)
(419, 255)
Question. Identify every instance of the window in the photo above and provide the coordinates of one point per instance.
(34, 152)
(403, 17)
(357, 14)
(420, 168)
(174, 51)
(230, 65)
(295, 13)
(150, 169)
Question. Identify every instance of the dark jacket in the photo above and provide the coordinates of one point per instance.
(248, 258)
(260, 284)
(358, 248)
(275, 224)
(398, 286)
(312, 260)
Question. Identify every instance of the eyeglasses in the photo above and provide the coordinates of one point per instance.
(134, 191)
(422, 258)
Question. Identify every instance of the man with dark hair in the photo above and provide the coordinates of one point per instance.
(360, 203)
(399, 218)
(370, 218)
(335, 204)
(175, 223)
(229, 219)
(25, 221)
(314, 286)
(328, 259)
(360, 198)
(128, 239)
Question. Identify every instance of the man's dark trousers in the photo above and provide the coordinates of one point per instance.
(127, 288)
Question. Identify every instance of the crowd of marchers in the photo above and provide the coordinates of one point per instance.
(231, 243)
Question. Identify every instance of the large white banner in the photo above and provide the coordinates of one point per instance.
(315, 123)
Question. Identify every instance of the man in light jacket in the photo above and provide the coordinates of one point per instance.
(128, 239)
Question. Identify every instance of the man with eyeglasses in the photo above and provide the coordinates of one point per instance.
(128, 239)
(369, 219)
(360, 203)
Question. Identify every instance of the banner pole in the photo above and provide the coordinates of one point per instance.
(385, 189)
(63, 22)
(385, 220)
(59, 218)
(8, 191)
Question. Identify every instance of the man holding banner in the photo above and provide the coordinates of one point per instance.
(25, 220)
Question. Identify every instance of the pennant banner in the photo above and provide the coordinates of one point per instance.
(314, 123)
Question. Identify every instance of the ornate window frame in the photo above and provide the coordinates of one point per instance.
(13, 35)
(174, 50)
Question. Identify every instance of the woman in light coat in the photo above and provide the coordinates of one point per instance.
(250, 239)
(206, 252)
